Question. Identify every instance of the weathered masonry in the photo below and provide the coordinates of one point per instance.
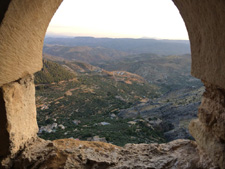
(23, 24)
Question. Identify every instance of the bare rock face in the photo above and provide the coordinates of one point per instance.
(18, 115)
(209, 129)
(208, 143)
(212, 110)
(205, 25)
(70, 153)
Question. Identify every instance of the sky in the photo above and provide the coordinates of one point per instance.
(159, 19)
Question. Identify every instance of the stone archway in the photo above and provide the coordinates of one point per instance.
(205, 25)
(22, 30)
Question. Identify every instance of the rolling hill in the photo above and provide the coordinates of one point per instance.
(52, 72)
(170, 72)
(87, 106)
(86, 54)
(137, 99)
(131, 46)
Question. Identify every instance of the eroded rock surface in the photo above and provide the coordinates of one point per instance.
(70, 153)
(209, 129)
(18, 114)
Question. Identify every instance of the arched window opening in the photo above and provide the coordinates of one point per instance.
(121, 76)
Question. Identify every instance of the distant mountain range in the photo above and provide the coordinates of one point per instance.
(86, 54)
(171, 72)
(131, 46)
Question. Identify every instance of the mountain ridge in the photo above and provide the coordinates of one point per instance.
(83, 53)
(135, 46)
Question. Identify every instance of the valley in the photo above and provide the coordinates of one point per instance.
(170, 72)
(100, 94)
(88, 106)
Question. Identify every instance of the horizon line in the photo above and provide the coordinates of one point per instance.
(69, 36)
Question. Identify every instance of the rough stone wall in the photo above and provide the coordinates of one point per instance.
(19, 108)
(205, 24)
(4, 135)
(209, 129)
(23, 24)
(22, 32)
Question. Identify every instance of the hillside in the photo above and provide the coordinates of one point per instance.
(81, 67)
(87, 106)
(170, 113)
(137, 99)
(169, 72)
(52, 72)
(83, 53)
(122, 76)
(137, 46)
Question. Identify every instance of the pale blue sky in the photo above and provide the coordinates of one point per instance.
(119, 19)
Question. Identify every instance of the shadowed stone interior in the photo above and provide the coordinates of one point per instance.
(4, 141)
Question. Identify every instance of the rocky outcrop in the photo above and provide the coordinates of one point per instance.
(209, 129)
(205, 25)
(70, 153)
(18, 115)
